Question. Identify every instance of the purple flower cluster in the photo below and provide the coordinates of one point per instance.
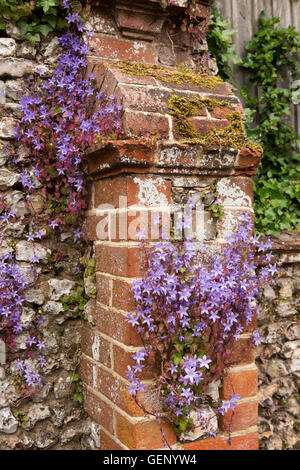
(12, 288)
(191, 306)
(13, 285)
(229, 404)
(58, 126)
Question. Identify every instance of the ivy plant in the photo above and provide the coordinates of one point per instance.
(33, 18)
(219, 39)
(272, 66)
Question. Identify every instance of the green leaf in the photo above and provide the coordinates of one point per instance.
(177, 358)
(33, 38)
(74, 378)
(47, 4)
(44, 29)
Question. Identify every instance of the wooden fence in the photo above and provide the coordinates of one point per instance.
(243, 16)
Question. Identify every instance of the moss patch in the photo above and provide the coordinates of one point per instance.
(181, 75)
(184, 108)
(233, 136)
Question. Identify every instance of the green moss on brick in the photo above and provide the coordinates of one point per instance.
(180, 75)
(233, 136)
(184, 108)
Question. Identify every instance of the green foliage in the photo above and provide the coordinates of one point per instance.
(76, 300)
(272, 66)
(77, 395)
(85, 290)
(90, 277)
(219, 40)
(33, 18)
(217, 211)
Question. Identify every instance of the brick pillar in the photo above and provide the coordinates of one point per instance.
(155, 171)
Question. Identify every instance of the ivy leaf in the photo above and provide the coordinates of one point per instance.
(45, 29)
(47, 4)
(24, 27)
(33, 38)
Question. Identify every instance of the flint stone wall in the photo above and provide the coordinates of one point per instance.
(50, 419)
(278, 357)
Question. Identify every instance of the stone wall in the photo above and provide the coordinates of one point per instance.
(50, 418)
(278, 357)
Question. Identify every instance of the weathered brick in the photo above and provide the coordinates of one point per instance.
(139, 23)
(111, 47)
(138, 123)
(95, 346)
(245, 415)
(227, 225)
(248, 160)
(235, 191)
(112, 158)
(115, 389)
(118, 226)
(243, 382)
(148, 191)
(220, 92)
(125, 78)
(100, 21)
(98, 409)
(122, 297)
(122, 359)
(216, 159)
(200, 11)
(88, 372)
(145, 435)
(108, 443)
(222, 89)
(245, 442)
(125, 261)
(170, 56)
(153, 100)
(113, 324)
(177, 155)
(202, 126)
(242, 351)
(150, 99)
(90, 226)
(103, 285)
(220, 113)
(108, 191)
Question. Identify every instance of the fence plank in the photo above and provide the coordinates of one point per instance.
(225, 8)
